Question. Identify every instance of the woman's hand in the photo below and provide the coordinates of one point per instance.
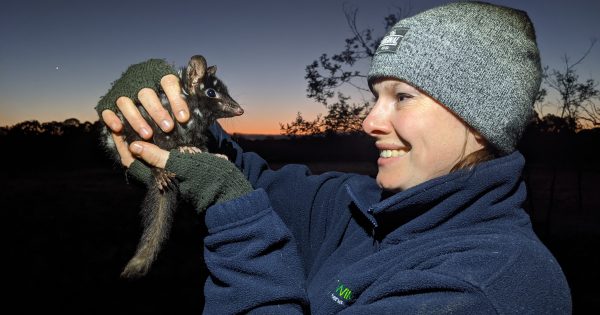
(203, 178)
(149, 152)
(151, 102)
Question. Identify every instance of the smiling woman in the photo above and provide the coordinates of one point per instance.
(418, 137)
(440, 230)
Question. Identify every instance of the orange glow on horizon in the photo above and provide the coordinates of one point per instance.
(250, 124)
(248, 127)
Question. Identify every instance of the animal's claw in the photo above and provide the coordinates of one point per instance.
(221, 156)
(189, 149)
(164, 180)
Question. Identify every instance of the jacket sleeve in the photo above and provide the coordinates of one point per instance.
(303, 201)
(253, 263)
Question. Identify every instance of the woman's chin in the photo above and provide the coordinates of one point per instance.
(387, 184)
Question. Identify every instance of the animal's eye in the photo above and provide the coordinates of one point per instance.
(210, 93)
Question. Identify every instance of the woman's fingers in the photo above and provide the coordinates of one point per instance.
(133, 116)
(112, 120)
(150, 153)
(170, 84)
(155, 109)
(126, 156)
(152, 104)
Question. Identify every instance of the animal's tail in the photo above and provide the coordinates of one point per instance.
(157, 209)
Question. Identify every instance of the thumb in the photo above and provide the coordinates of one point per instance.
(150, 153)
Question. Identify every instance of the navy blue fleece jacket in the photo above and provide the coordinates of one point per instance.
(334, 243)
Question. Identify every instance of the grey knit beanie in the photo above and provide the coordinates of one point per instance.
(479, 60)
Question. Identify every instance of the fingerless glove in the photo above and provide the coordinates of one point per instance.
(204, 179)
(146, 74)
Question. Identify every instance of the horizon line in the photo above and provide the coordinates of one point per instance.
(240, 133)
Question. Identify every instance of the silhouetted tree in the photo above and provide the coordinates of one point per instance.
(328, 74)
(554, 124)
(577, 104)
(72, 122)
(71, 126)
(27, 128)
(53, 128)
(300, 126)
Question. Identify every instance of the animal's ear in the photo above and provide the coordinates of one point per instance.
(196, 70)
(212, 70)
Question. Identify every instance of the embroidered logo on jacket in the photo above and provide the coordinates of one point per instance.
(341, 294)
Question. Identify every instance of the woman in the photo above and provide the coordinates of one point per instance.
(441, 228)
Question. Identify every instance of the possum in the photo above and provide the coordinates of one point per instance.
(208, 100)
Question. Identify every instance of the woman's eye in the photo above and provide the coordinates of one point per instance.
(402, 97)
(210, 93)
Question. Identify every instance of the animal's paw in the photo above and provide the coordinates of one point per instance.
(221, 156)
(164, 180)
(191, 150)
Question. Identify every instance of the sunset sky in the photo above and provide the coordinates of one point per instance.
(57, 58)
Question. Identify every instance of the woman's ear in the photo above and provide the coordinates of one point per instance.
(479, 139)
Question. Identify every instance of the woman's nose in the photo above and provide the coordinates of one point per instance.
(378, 121)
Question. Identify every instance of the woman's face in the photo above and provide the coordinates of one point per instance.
(417, 137)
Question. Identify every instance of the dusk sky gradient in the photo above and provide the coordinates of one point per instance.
(57, 58)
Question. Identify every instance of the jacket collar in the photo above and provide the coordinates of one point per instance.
(491, 190)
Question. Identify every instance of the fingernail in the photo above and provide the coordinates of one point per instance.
(165, 124)
(136, 148)
(114, 126)
(145, 133)
(181, 114)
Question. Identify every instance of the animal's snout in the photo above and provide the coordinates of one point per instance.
(238, 111)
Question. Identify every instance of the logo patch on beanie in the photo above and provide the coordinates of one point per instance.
(391, 42)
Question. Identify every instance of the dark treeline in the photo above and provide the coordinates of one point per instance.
(32, 145)
(72, 144)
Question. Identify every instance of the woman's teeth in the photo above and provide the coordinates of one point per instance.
(392, 153)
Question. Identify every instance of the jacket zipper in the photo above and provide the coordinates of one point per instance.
(376, 243)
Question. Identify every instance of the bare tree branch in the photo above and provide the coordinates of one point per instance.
(575, 96)
(329, 74)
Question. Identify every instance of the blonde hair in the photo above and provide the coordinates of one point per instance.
(488, 152)
(479, 156)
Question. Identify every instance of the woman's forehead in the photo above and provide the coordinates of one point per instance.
(391, 83)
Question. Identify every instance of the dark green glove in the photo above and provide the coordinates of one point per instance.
(146, 74)
(140, 172)
(204, 179)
